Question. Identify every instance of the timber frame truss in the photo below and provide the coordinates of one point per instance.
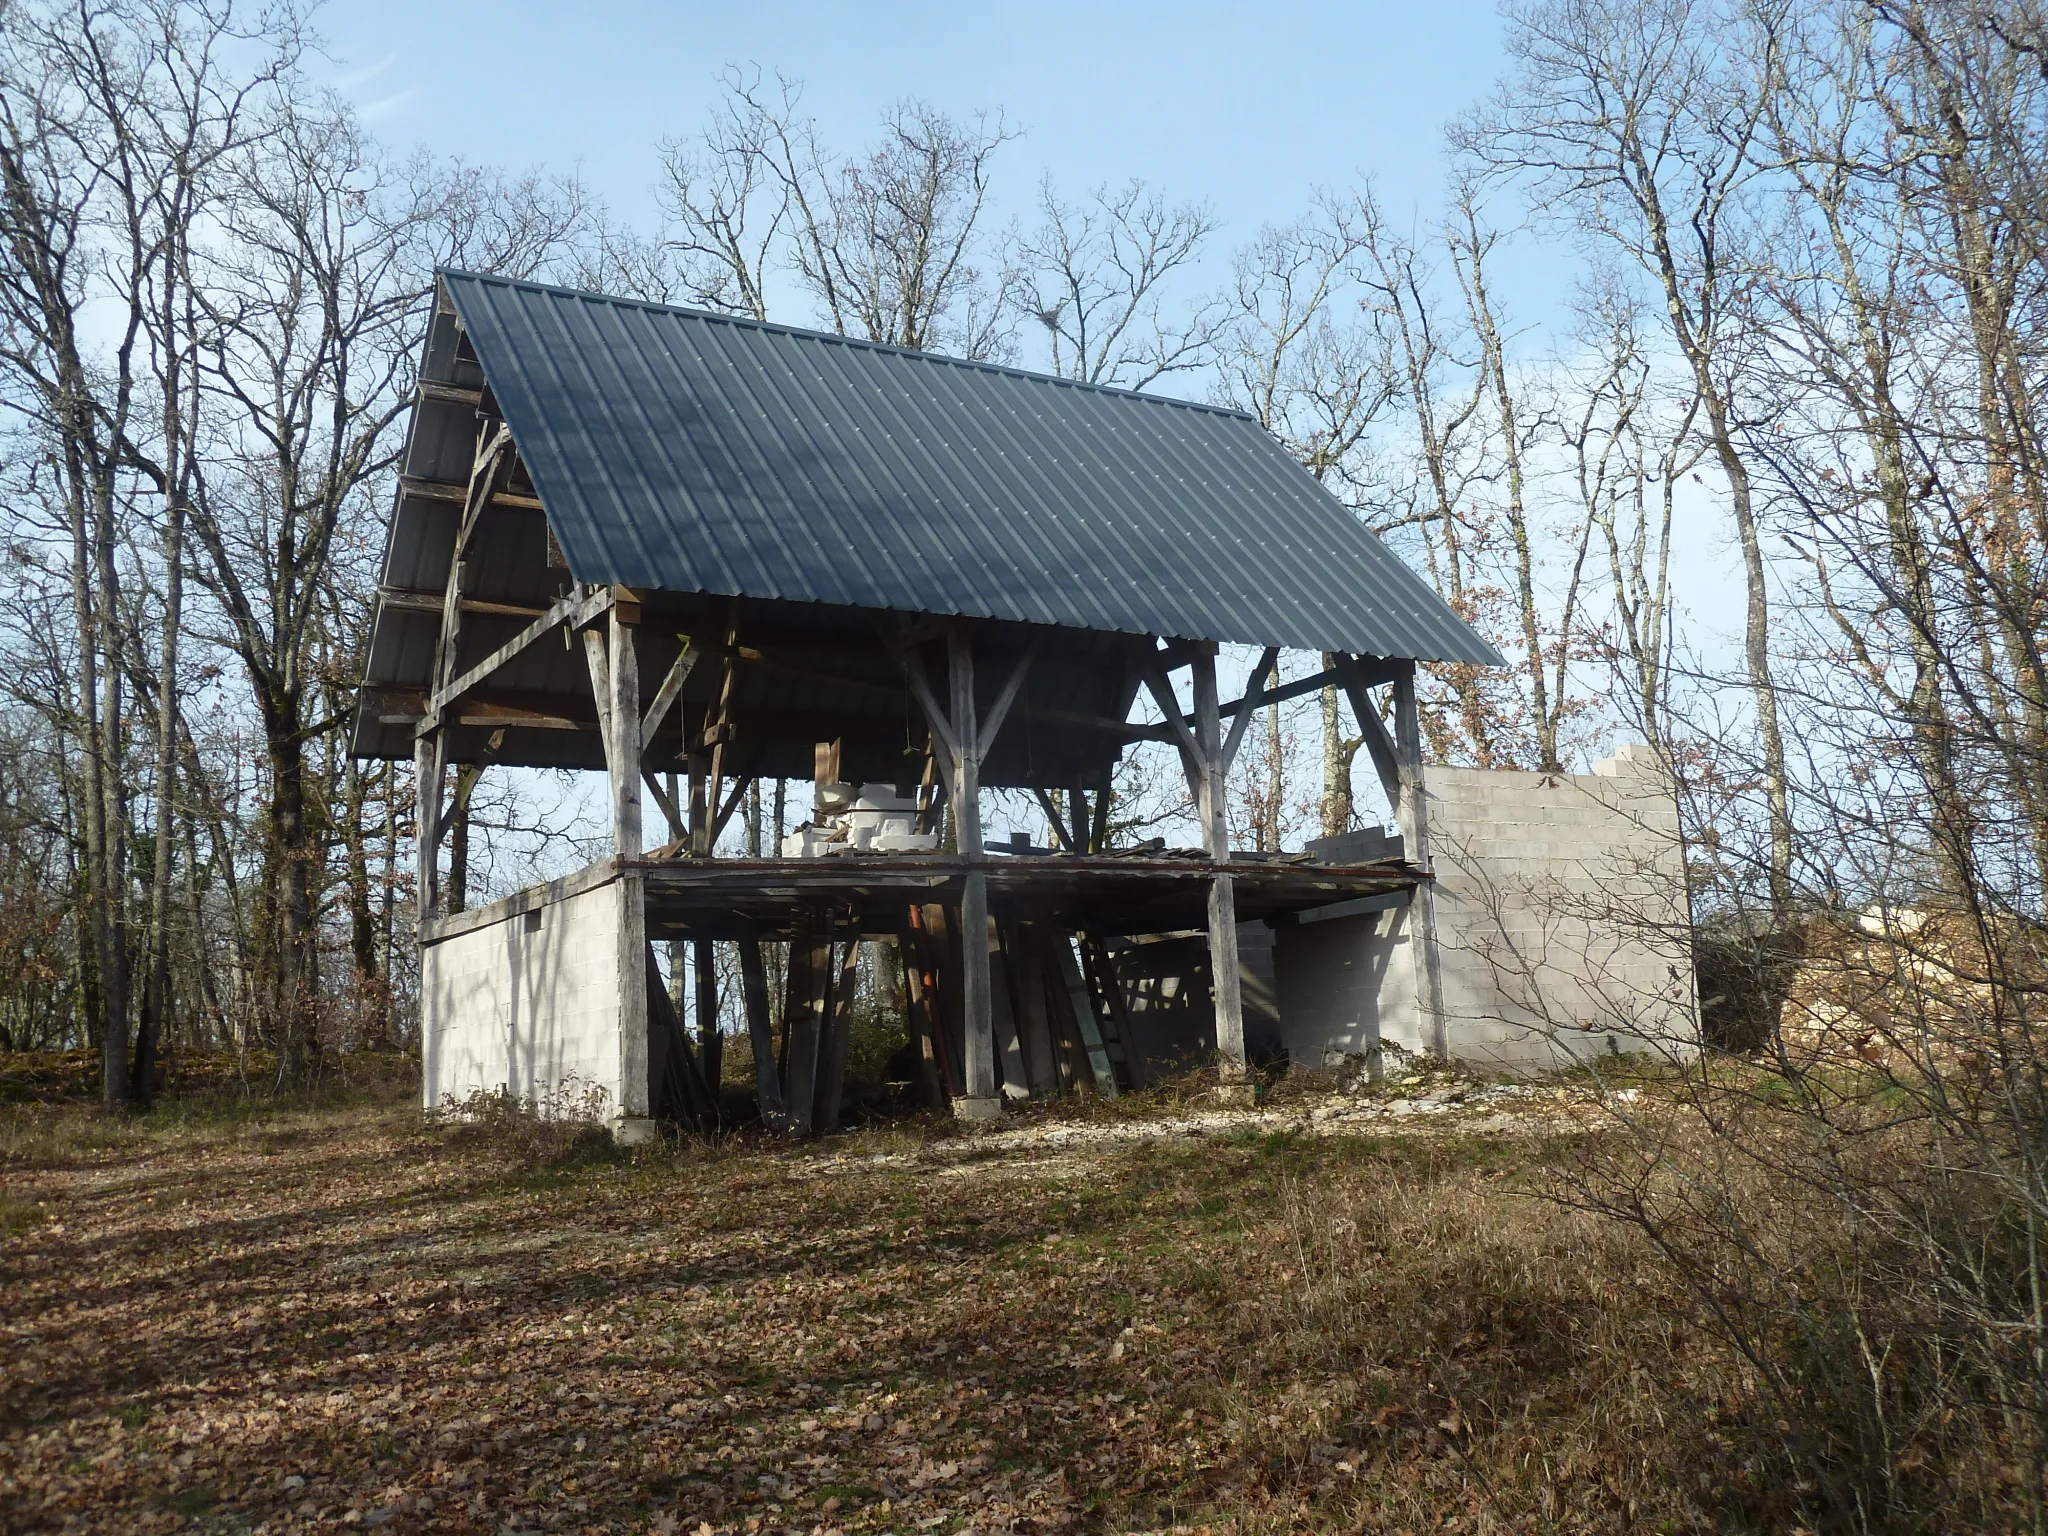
(942, 905)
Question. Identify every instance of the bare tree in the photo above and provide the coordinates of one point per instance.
(1092, 276)
(1301, 353)
(1640, 118)
(886, 244)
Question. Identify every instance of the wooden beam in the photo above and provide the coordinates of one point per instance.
(731, 803)
(456, 491)
(449, 394)
(1253, 698)
(1162, 694)
(428, 767)
(761, 1035)
(623, 747)
(935, 716)
(535, 711)
(667, 803)
(575, 611)
(419, 600)
(1056, 821)
(1224, 976)
(670, 690)
(976, 984)
(1356, 679)
(993, 722)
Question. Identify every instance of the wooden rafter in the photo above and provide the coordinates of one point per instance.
(457, 491)
(575, 611)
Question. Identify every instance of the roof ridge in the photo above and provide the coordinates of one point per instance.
(805, 333)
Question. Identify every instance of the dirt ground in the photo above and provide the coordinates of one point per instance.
(344, 1318)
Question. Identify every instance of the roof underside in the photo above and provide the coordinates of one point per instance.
(695, 453)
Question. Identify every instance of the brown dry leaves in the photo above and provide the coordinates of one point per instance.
(336, 1322)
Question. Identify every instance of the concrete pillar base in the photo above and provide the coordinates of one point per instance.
(1238, 1095)
(635, 1131)
(977, 1111)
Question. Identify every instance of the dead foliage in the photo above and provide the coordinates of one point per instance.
(347, 1318)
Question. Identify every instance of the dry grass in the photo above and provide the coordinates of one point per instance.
(324, 1318)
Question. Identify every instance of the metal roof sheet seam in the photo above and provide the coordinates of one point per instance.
(681, 450)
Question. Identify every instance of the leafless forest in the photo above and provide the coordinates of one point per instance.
(1806, 249)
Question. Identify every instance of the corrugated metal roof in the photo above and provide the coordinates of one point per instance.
(700, 453)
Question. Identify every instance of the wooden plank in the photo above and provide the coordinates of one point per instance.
(1013, 1080)
(921, 1011)
(670, 690)
(680, 1071)
(803, 1014)
(1082, 1006)
(838, 1035)
(761, 1035)
(456, 491)
(1113, 1014)
(1026, 973)
(1249, 706)
(710, 1040)
(993, 721)
(449, 394)
(574, 611)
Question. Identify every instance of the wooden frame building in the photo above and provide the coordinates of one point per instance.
(690, 551)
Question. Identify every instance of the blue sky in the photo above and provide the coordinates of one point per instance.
(1249, 107)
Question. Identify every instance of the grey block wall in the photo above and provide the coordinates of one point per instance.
(1561, 923)
(525, 997)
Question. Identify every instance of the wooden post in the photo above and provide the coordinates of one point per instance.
(920, 994)
(979, 1102)
(710, 1043)
(427, 772)
(761, 1033)
(1026, 974)
(1209, 797)
(1412, 813)
(838, 1034)
(810, 961)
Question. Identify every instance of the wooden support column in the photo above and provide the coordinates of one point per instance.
(761, 1033)
(979, 1101)
(1412, 813)
(962, 736)
(920, 995)
(1210, 804)
(615, 683)
(803, 1013)
(838, 1035)
(710, 1043)
(427, 775)
(1397, 758)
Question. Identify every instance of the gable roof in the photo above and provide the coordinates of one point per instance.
(694, 452)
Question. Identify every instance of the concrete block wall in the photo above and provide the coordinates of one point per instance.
(1346, 987)
(1561, 926)
(1562, 922)
(524, 996)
